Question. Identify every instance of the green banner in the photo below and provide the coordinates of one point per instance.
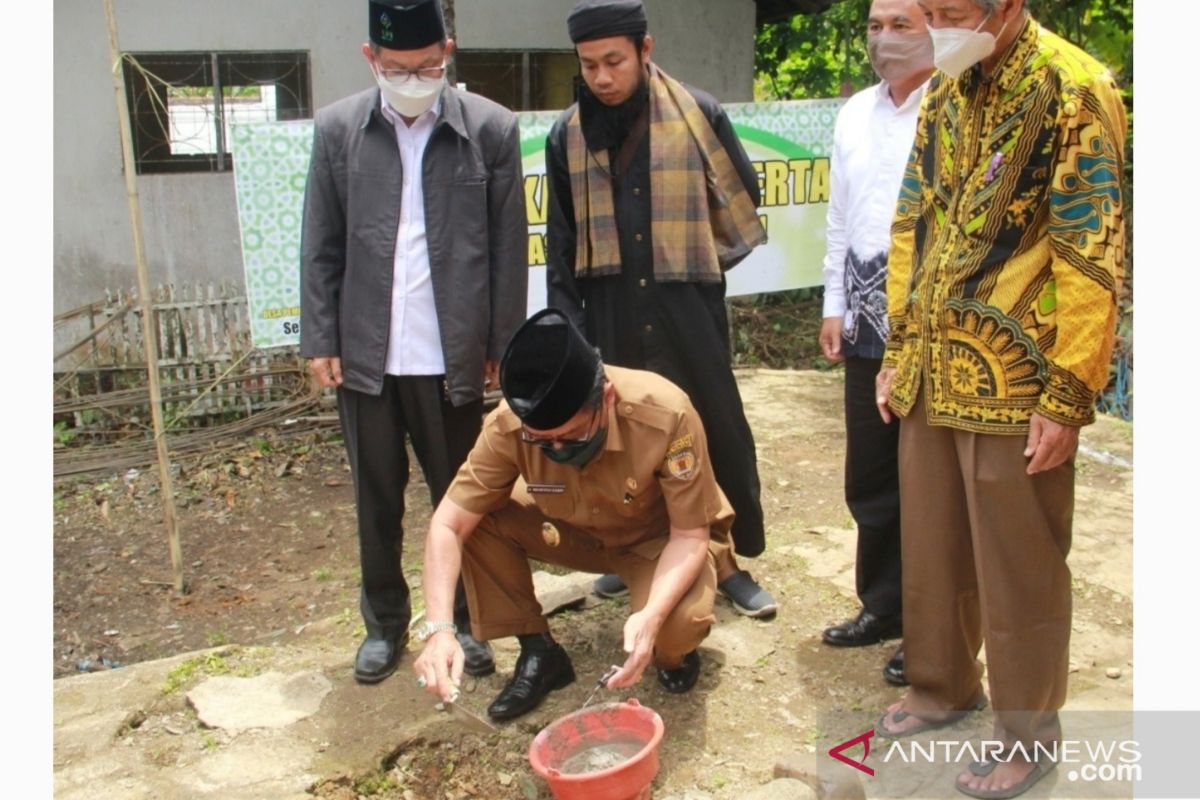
(789, 144)
(270, 171)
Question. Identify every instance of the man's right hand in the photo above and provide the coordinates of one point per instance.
(327, 372)
(440, 666)
(831, 339)
(883, 392)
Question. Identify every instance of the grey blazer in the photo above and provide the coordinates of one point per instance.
(475, 227)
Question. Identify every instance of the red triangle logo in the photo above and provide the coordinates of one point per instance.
(863, 738)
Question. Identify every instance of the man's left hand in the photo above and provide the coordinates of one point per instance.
(1049, 444)
(640, 632)
(491, 375)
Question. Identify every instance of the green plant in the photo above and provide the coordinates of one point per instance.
(217, 638)
(375, 783)
(251, 660)
(185, 672)
(322, 574)
(208, 741)
(63, 435)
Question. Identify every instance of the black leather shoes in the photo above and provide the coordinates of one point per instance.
(893, 673)
(864, 629)
(377, 658)
(682, 678)
(477, 655)
(538, 672)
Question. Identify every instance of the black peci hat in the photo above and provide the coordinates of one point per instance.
(548, 370)
(406, 24)
(599, 19)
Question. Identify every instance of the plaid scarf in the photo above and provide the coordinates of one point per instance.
(702, 218)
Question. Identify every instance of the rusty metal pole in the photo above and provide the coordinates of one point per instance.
(145, 300)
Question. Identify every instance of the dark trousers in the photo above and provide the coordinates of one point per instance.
(690, 348)
(375, 427)
(713, 390)
(873, 490)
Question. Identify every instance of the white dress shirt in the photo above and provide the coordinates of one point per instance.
(414, 341)
(871, 144)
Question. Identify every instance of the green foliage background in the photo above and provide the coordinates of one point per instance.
(825, 54)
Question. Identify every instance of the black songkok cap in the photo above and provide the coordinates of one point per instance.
(406, 24)
(548, 370)
(599, 19)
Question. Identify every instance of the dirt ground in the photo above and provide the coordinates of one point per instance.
(269, 547)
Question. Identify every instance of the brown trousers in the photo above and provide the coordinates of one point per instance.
(984, 548)
(499, 581)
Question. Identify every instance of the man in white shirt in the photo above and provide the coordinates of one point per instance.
(872, 140)
(413, 279)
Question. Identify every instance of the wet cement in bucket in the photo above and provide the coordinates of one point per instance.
(601, 756)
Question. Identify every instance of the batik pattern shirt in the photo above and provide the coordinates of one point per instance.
(1008, 242)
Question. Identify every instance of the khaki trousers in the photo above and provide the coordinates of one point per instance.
(984, 548)
(499, 581)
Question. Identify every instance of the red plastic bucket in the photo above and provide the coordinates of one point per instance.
(568, 752)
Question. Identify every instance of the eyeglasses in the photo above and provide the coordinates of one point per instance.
(403, 76)
(529, 438)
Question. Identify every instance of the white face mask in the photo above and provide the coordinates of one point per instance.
(413, 97)
(955, 50)
(895, 56)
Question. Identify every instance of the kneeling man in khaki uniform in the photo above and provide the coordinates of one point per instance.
(590, 467)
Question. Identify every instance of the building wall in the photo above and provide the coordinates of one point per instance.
(706, 43)
(190, 220)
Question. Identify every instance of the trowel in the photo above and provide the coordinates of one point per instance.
(466, 716)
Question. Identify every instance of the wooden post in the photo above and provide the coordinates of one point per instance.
(451, 33)
(149, 335)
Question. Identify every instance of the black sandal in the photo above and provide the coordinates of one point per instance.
(984, 768)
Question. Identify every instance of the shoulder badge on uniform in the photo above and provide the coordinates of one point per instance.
(681, 457)
(682, 443)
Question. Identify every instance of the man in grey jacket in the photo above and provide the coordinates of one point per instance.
(414, 275)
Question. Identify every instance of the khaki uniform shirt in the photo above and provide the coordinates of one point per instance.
(652, 473)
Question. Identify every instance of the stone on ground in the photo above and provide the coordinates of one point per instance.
(270, 700)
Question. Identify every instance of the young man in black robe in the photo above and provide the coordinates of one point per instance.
(651, 199)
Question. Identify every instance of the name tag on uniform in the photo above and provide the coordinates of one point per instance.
(547, 488)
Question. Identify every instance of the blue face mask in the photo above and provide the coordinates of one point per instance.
(575, 454)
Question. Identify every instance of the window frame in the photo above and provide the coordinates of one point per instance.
(149, 74)
(529, 66)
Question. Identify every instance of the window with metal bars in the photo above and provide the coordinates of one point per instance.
(181, 104)
(520, 80)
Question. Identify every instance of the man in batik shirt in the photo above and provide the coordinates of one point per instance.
(1007, 255)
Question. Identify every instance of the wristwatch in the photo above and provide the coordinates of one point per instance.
(428, 628)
